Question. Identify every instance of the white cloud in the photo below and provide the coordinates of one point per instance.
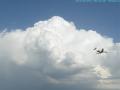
(102, 72)
(55, 54)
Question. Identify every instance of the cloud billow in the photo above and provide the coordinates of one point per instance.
(54, 54)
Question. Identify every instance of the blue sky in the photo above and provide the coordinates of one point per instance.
(54, 55)
(101, 17)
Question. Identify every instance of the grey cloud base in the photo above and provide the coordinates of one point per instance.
(53, 54)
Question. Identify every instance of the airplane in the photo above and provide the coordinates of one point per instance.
(100, 51)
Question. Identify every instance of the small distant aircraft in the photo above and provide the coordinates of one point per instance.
(100, 51)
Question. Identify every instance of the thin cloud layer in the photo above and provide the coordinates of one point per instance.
(54, 54)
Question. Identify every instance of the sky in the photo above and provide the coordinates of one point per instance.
(101, 17)
(50, 45)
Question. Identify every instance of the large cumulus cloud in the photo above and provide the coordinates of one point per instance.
(54, 54)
